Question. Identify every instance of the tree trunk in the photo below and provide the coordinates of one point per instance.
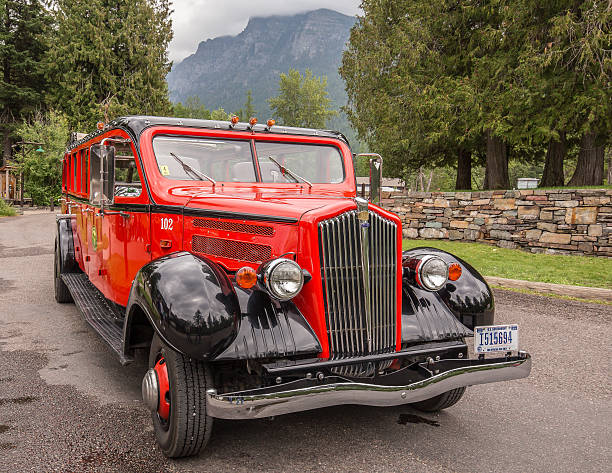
(464, 170)
(496, 173)
(429, 181)
(6, 147)
(553, 167)
(610, 170)
(590, 165)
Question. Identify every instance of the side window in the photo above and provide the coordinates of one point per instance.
(84, 167)
(78, 172)
(74, 172)
(127, 180)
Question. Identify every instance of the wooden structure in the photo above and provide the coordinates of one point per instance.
(10, 182)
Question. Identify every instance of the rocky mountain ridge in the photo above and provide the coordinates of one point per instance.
(222, 69)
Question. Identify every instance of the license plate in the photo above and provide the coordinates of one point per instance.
(490, 338)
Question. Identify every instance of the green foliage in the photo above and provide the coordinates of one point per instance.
(109, 58)
(42, 171)
(23, 28)
(249, 109)
(220, 114)
(426, 78)
(302, 100)
(193, 108)
(6, 210)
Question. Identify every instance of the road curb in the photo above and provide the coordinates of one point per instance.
(581, 292)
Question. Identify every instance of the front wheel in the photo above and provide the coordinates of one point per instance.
(182, 426)
(442, 401)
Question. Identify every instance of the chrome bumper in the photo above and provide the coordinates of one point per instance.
(295, 397)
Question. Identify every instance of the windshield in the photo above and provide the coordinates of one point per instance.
(315, 163)
(222, 160)
(192, 158)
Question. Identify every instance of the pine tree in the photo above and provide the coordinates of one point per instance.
(249, 110)
(110, 58)
(23, 25)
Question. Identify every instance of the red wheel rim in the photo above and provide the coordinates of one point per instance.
(163, 407)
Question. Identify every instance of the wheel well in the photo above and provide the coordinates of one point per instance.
(139, 331)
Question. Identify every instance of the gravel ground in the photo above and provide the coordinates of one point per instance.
(67, 405)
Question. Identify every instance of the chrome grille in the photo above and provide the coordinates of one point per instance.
(359, 275)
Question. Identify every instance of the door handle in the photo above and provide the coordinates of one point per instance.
(102, 213)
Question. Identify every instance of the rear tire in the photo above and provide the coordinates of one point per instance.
(62, 294)
(443, 401)
(188, 427)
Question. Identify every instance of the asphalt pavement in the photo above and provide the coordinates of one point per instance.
(67, 405)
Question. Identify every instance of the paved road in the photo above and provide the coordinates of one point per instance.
(67, 405)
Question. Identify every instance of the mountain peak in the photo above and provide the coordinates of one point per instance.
(222, 69)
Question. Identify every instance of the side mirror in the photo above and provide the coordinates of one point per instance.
(102, 174)
(375, 176)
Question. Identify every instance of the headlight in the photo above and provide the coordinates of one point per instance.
(432, 273)
(283, 278)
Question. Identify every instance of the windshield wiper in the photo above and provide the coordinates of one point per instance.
(284, 170)
(188, 169)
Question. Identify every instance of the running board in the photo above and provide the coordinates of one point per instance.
(102, 315)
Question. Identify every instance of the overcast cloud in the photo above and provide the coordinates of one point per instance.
(194, 21)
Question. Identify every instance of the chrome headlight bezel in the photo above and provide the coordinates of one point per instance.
(423, 279)
(268, 278)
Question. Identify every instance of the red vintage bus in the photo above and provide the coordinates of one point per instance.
(239, 256)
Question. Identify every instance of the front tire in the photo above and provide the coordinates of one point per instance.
(188, 427)
(443, 401)
(62, 294)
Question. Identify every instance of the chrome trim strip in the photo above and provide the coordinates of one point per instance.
(286, 398)
(365, 274)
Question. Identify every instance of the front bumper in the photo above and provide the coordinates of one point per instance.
(306, 394)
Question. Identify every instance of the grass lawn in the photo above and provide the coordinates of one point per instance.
(519, 264)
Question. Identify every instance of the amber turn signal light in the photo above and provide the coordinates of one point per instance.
(100, 125)
(454, 271)
(246, 277)
(252, 121)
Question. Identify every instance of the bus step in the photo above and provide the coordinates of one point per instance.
(99, 312)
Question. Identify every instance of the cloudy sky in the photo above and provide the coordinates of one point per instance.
(198, 20)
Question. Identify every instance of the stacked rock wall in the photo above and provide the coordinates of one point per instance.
(552, 221)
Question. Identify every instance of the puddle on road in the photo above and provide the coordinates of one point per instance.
(415, 419)
(18, 400)
(4, 428)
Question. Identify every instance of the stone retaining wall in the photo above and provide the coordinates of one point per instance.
(552, 221)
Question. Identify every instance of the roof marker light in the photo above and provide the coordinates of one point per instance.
(271, 123)
(235, 119)
(252, 121)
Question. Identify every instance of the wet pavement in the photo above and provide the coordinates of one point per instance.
(67, 405)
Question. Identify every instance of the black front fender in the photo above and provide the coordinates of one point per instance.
(190, 303)
(469, 300)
